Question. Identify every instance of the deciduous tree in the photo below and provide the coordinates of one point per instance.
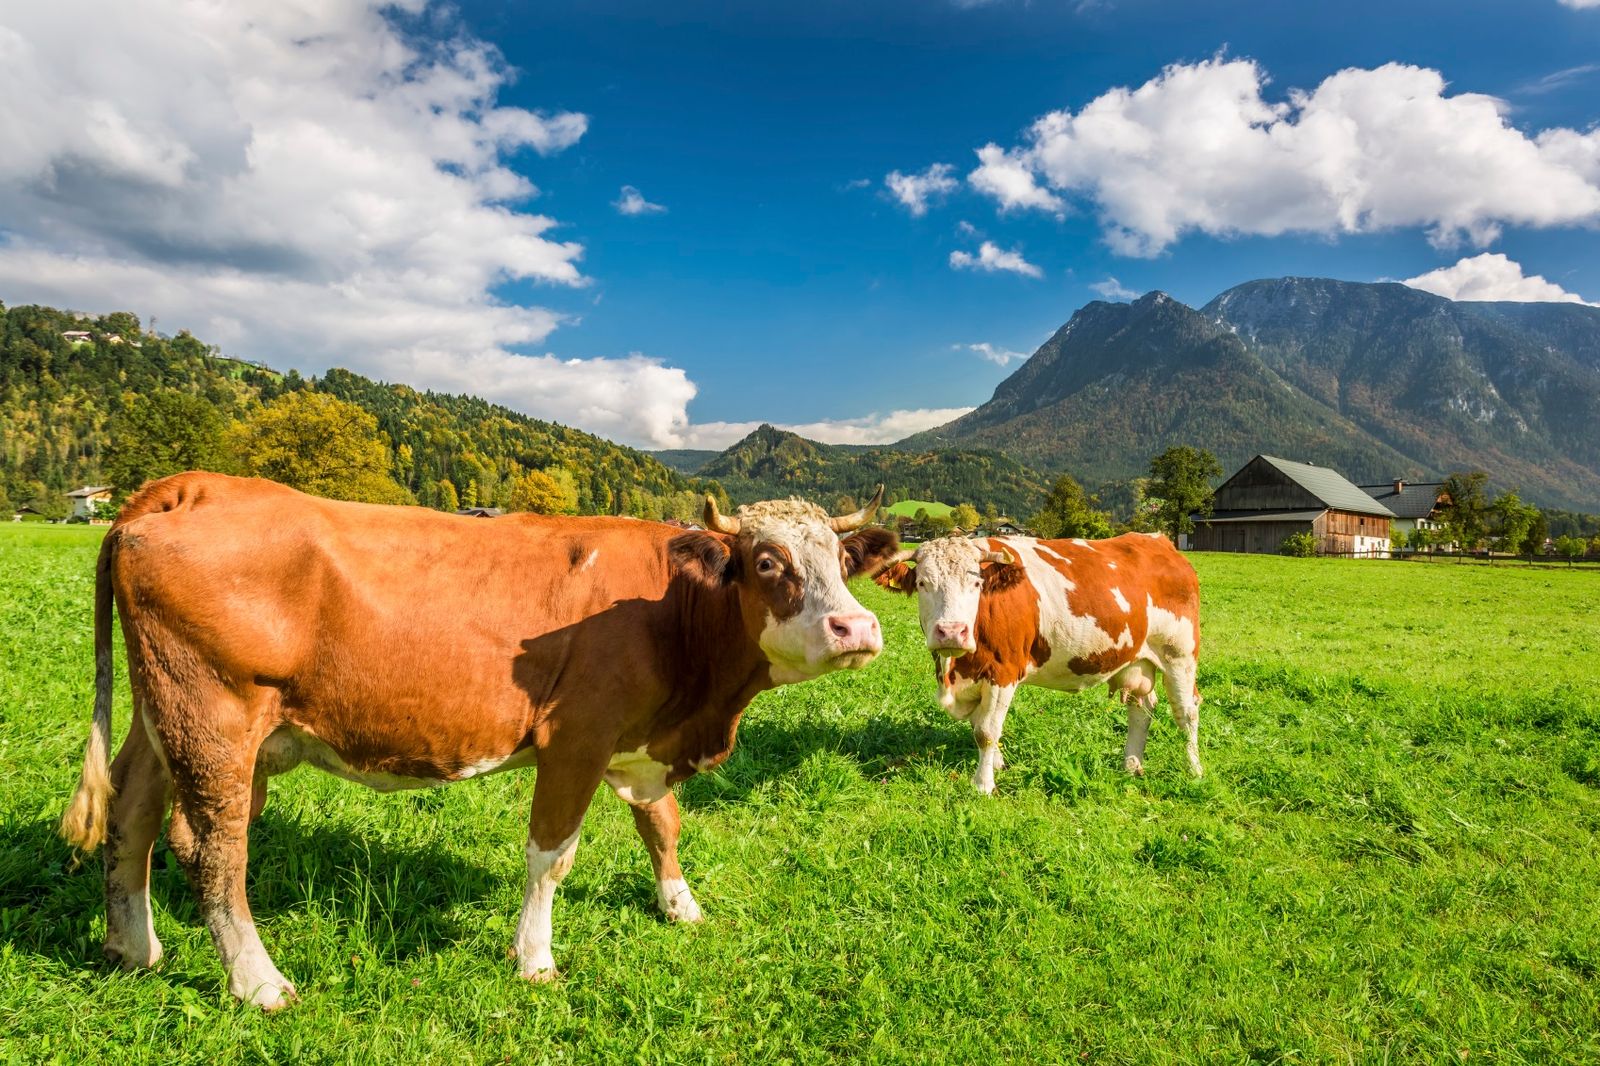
(166, 432)
(1068, 511)
(319, 444)
(1466, 510)
(1180, 478)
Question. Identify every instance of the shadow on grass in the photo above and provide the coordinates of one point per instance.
(49, 906)
(766, 751)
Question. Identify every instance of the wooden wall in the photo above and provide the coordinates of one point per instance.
(1336, 533)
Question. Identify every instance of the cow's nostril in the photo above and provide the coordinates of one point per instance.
(840, 629)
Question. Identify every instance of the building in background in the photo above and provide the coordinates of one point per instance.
(1268, 499)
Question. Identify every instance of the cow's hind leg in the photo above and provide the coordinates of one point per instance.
(658, 825)
(213, 772)
(132, 824)
(988, 721)
(1185, 698)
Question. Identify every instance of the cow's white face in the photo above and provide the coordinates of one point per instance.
(948, 578)
(795, 567)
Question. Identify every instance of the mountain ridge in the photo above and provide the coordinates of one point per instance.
(1376, 379)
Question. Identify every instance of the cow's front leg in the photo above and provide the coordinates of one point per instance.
(658, 825)
(987, 723)
(561, 796)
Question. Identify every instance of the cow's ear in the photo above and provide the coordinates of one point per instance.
(901, 577)
(706, 558)
(867, 549)
(997, 577)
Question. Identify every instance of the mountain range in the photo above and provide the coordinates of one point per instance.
(1376, 380)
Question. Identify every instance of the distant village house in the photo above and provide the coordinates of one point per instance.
(1269, 498)
(85, 499)
(1415, 505)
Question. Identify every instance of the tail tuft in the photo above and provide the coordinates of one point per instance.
(83, 824)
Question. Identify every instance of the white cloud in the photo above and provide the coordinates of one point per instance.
(1491, 276)
(1010, 180)
(990, 258)
(1581, 4)
(632, 202)
(914, 191)
(305, 184)
(1199, 148)
(1112, 289)
(875, 428)
(997, 356)
(1559, 79)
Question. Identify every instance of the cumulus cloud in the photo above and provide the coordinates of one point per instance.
(1112, 289)
(1009, 178)
(1581, 4)
(1491, 276)
(915, 191)
(876, 428)
(991, 257)
(1201, 148)
(307, 184)
(997, 356)
(632, 202)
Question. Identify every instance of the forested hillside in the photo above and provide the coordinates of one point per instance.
(772, 462)
(62, 401)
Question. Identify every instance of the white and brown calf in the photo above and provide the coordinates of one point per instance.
(1061, 614)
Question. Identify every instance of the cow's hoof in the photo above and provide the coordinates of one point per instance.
(1133, 765)
(985, 786)
(541, 977)
(133, 956)
(268, 995)
(678, 905)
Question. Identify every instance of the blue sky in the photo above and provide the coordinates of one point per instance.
(781, 279)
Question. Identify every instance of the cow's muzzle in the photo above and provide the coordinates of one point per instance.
(854, 639)
(951, 639)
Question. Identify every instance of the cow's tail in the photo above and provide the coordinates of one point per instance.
(83, 824)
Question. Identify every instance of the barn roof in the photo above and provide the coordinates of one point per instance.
(1329, 486)
(90, 490)
(1219, 517)
(1412, 501)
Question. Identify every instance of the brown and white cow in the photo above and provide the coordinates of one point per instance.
(1060, 614)
(402, 648)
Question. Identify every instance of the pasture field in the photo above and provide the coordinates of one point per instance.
(1392, 858)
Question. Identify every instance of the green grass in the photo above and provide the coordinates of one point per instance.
(909, 509)
(1392, 858)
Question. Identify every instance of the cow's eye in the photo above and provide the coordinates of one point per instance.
(767, 565)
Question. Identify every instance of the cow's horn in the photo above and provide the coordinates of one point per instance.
(718, 521)
(1003, 558)
(845, 523)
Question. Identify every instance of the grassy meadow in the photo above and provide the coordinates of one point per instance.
(1392, 858)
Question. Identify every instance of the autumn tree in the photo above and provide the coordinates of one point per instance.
(964, 515)
(1180, 478)
(319, 444)
(446, 492)
(166, 432)
(544, 492)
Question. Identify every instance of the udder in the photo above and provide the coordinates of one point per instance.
(1135, 684)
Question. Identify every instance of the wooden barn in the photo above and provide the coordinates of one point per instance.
(1270, 498)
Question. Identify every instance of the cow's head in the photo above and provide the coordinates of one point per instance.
(790, 560)
(948, 577)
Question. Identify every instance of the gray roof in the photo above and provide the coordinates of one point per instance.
(90, 490)
(1413, 501)
(1330, 487)
(1220, 517)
